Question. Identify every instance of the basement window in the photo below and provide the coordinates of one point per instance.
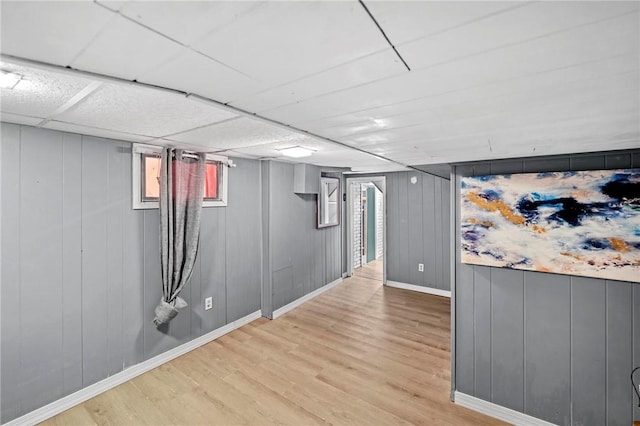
(146, 178)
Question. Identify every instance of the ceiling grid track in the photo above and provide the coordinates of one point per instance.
(241, 112)
(384, 34)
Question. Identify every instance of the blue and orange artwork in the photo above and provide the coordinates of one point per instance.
(579, 223)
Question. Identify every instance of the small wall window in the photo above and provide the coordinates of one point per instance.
(146, 178)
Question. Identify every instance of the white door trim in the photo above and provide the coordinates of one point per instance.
(382, 185)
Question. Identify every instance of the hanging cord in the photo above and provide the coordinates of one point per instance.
(635, 388)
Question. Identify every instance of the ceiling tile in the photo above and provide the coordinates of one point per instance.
(502, 96)
(282, 41)
(131, 109)
(586, 44)
(404, 21)
(192, 72)
(238, 133)
(47, 31)
(126, 50)
(92, 131)
(555, 20)
(187, 21)
(360, 71)
(40, 92)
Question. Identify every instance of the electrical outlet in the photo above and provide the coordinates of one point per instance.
(208, 303)
(420, 267)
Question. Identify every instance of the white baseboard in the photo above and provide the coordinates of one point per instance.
(419, 288)
(57, 407)
(286, 308)
(497, 411)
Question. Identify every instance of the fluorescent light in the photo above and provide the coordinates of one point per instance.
(297, 152)
(8, 80)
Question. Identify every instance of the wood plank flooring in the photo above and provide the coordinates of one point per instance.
(359, 354)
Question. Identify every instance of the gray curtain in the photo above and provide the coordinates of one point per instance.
(181, 192)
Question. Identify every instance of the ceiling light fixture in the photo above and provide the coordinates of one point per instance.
(8, 80)
(297, 152)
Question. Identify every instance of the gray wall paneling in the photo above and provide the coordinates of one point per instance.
(80, 269)
(72, 262)
(40, 274)
(244, 236)
(417, 219)
(301, 257)
(562, 347)
(11, 318)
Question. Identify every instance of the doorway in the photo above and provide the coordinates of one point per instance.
(366, 226)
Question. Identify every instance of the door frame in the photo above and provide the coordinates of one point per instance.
(381, 182)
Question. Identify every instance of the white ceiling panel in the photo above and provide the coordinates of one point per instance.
(405, 21)
(187, 21)
(360, 71)
(238, 133)
(198, 74)
(126, 108)
(510, 94)
(283, 41)
(53, 32)
(39, 93)
(617, 76)
(542, 19)
(126, 50)
(93, 131)
(542, 55)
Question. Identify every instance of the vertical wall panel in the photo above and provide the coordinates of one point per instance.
(403, 229)
(588, 162)
(588, 350)
(438, 236)
(545, 164)
(445, 244)
(618, 160)
(415, 238)
(244, 242)
(10, 261)
(133, 283)
(547, 346)
(116, 199)
(619, 352)
(94, 259)
(213, 271)
(72, 262)
(429, 206)
(482, 331)
(507, 331)
(464, 321)
(41, 266)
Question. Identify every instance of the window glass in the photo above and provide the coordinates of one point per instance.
(211, 181)
(151, 167)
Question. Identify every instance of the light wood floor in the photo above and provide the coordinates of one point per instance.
(360, 354)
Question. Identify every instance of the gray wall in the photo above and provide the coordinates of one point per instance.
(556, 347)
(418, 229)
(80, 271)
(299, 258)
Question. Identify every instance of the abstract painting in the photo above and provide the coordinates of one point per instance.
(579, 223)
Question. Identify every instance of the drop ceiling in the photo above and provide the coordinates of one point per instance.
(480, 80)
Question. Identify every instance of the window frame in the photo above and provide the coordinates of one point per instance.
(138, 152)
